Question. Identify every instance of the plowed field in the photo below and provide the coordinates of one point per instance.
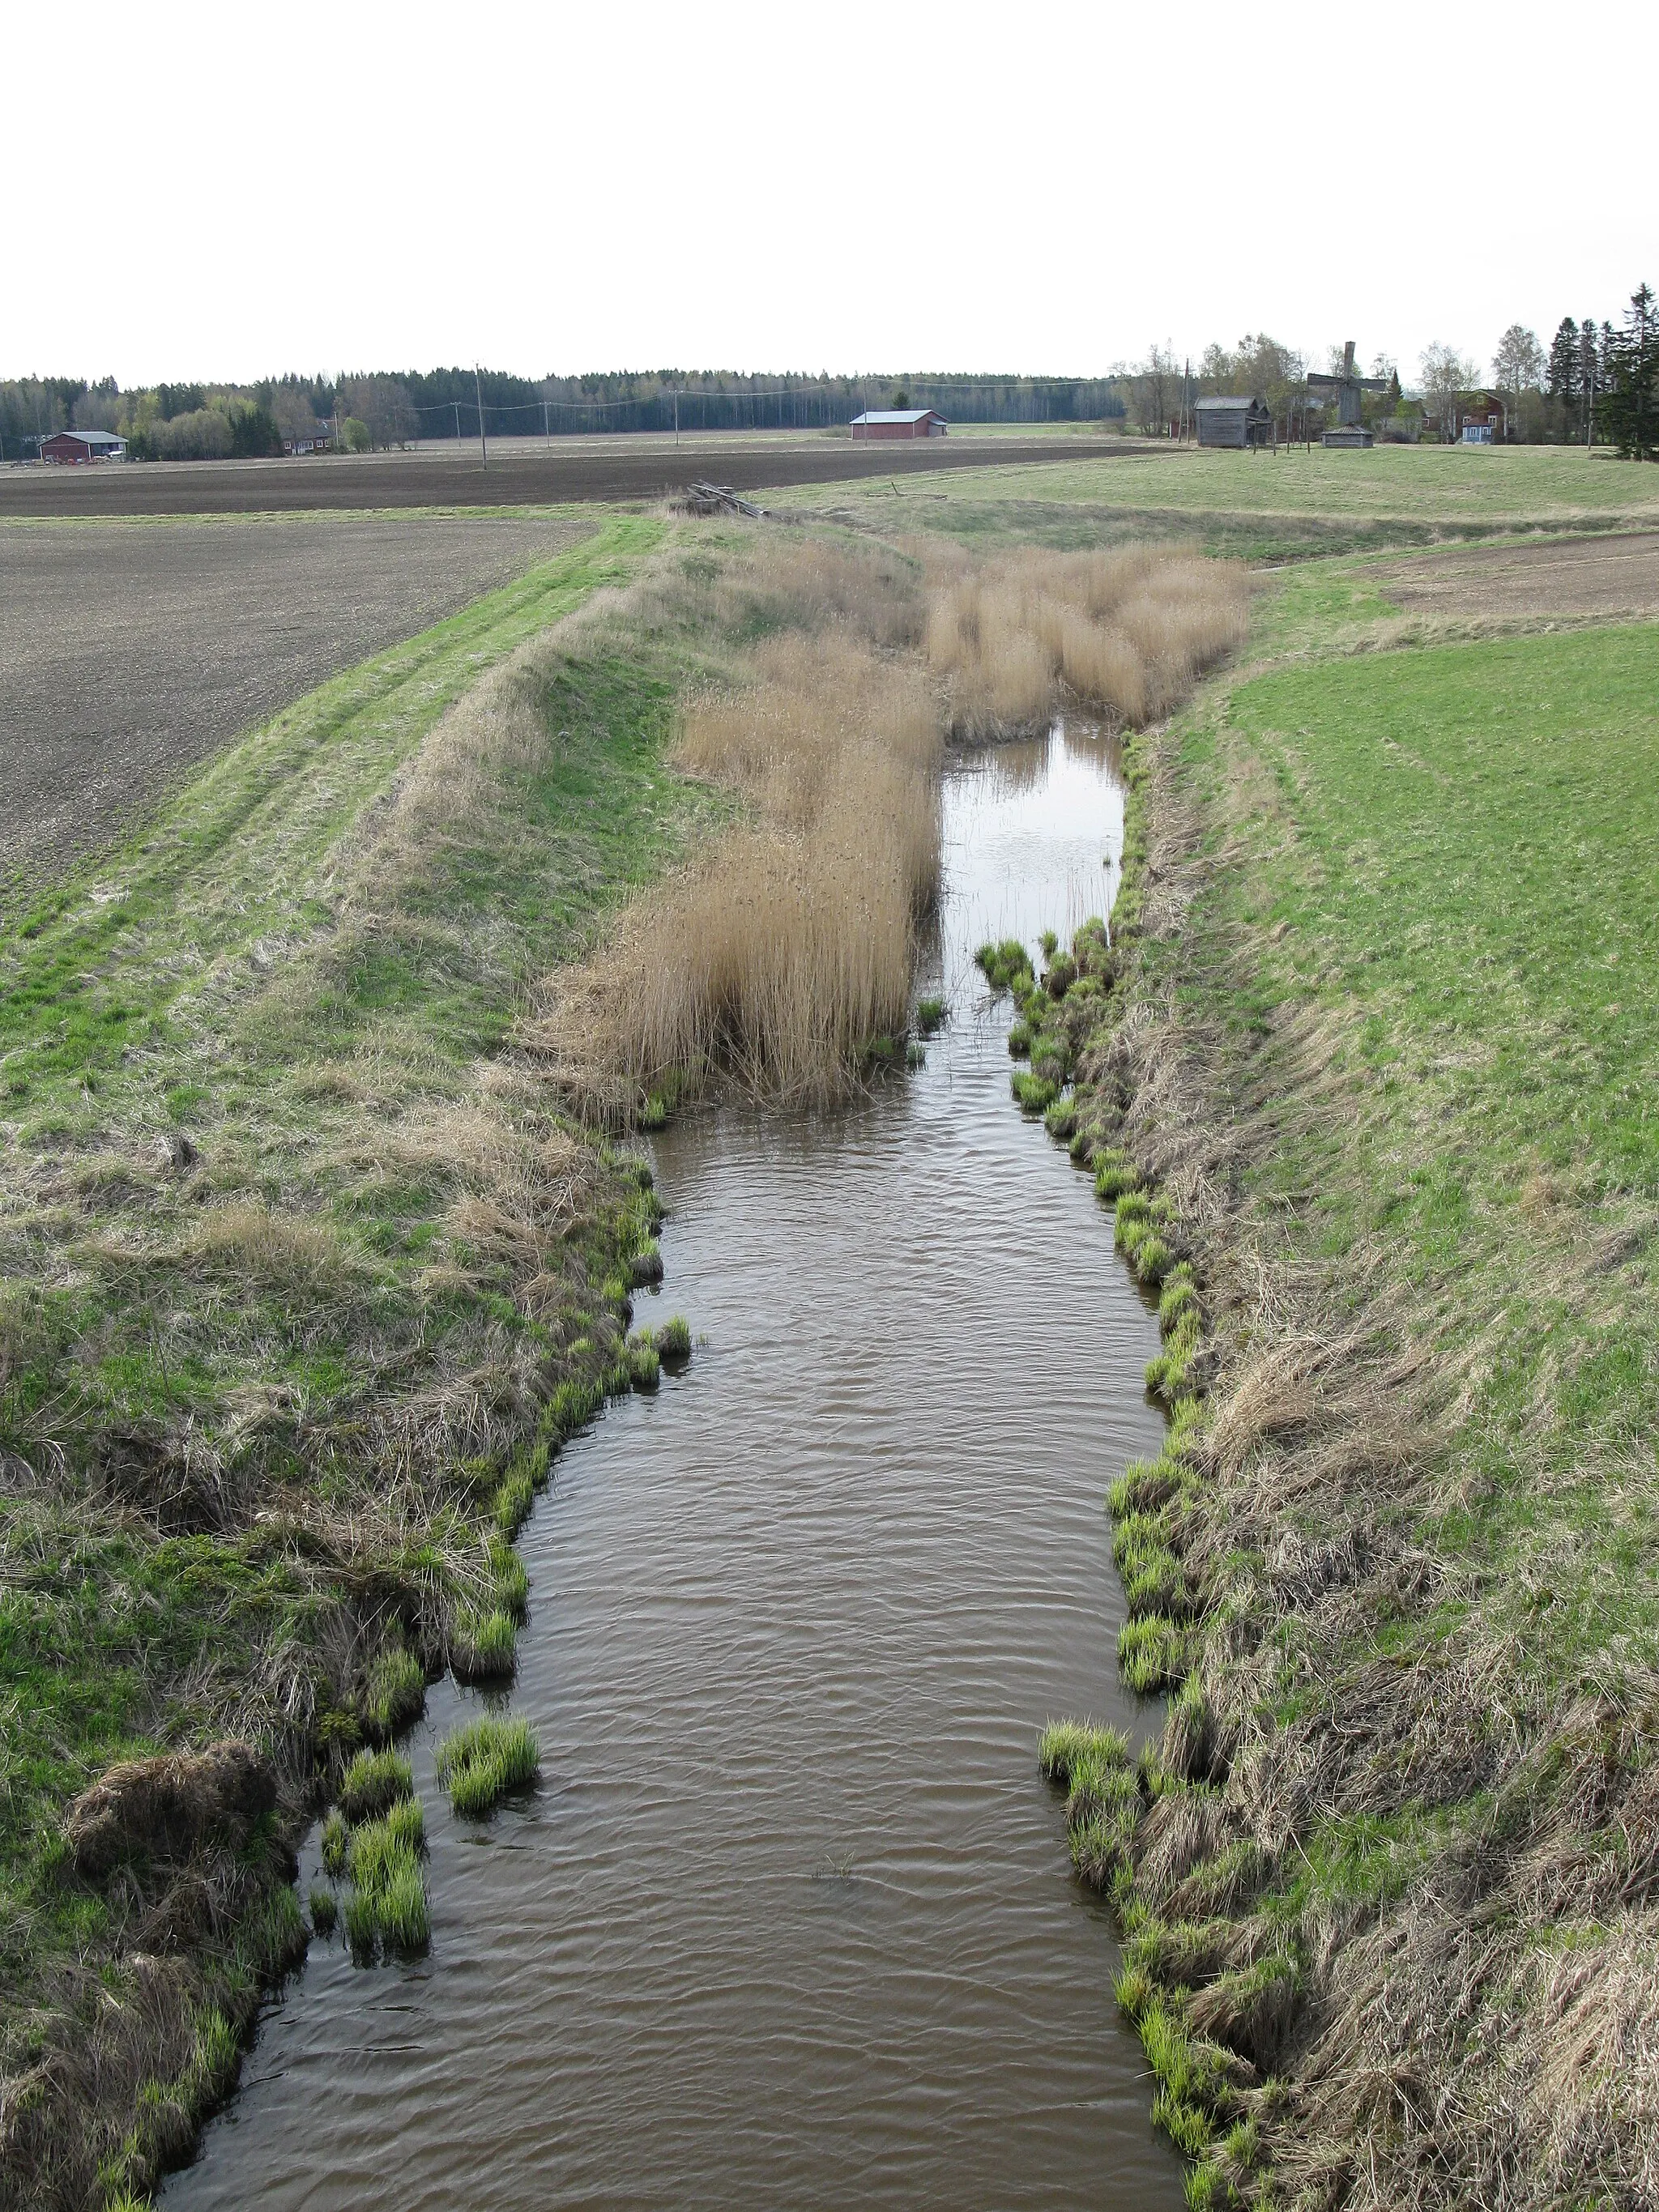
(519, 474)
(128, 653)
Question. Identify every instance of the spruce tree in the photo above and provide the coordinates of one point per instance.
(1564, 365)
(1629, 412)
(1590, 374)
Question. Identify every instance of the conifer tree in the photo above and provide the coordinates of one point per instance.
(1629, 410)
(1589, 375)
(1564, 365)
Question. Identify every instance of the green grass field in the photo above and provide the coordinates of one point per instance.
(1393, 907)
(1470, 894)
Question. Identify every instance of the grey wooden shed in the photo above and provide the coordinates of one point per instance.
(1234, 421)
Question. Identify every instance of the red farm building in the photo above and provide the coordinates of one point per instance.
(72, 446)
(899, 423)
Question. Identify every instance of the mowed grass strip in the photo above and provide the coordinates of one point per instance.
(1460, 864)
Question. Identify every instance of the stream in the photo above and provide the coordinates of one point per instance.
(789, 1921)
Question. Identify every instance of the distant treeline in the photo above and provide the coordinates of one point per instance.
(445, 400)
(192, 422)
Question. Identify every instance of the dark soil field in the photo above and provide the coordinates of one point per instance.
(129, 652)
(1562, 580)
(518, 475)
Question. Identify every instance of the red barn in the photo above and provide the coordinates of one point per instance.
(82, 446)
(899, 423)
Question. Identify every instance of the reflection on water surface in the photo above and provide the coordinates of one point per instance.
(789, 1921)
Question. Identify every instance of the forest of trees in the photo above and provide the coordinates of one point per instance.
(194, 421)
(1596, 381)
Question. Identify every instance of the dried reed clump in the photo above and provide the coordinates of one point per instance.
(776, 958)
(1126, 633)
(789, 583)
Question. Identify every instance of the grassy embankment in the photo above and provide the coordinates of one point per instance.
(298, 1267)
(1293, 505)
(1373, 1105)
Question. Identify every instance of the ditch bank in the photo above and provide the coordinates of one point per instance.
(1386, 1883)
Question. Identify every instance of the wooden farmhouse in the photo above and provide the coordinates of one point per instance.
(1235, 422)
(899, 423)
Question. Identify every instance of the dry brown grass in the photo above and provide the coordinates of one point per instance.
(283, 1249)
(777, 958)
(1126, 633)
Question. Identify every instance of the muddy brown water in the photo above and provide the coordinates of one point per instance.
(789, 1920)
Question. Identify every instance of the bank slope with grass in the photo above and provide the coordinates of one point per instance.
(304, 1279)
(1380, 1074)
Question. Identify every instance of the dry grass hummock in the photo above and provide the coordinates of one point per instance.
(1126, 633)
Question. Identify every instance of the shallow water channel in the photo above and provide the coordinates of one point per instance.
(789, 1921)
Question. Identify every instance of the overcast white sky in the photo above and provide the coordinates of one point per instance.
(735, 185)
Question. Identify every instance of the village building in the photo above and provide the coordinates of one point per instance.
(1231, 421)
(70, 447)
(899, 423)
(1478, 418)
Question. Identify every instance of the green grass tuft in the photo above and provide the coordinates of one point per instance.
(388, 1905)
(511, 1582)
(335, 1842)
(482, 1645)
(396, 1693)
(644, 1362)
(374, 1780)
(483, 1762)
(931, 1016)
(1006, 966)
(1116, 1177)
(674, 1342)
(1152, 1654)
(513, 1501)
(1064, 1744)
(1034, 1094)
(324, 1910)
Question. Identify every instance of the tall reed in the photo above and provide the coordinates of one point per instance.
(1126, 633)
(776, 958)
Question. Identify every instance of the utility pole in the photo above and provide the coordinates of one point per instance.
(456, 404)
(547, 434)
(484, 448)
(676, 418)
